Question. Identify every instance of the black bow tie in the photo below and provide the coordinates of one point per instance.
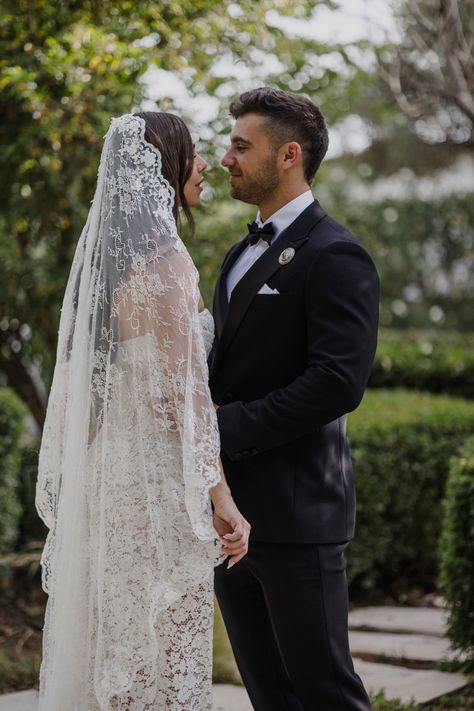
(256, 233)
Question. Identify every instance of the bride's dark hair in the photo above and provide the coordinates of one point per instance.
(171, 136)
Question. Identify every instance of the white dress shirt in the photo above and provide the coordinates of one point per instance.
(281, 219)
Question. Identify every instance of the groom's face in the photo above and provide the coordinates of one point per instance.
(251, 160)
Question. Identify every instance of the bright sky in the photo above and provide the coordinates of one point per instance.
(353, 20)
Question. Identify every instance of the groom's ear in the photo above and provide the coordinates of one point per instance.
(291, 154)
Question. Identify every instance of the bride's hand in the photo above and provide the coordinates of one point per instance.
(232, 528)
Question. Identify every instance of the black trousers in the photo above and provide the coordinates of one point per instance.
(285, 610)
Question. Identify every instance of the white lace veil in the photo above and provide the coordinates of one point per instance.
(130, 445)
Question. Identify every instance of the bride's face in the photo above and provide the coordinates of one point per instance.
(194, 184)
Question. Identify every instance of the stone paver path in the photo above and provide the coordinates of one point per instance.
(413, 620)
(414, 647)
(230, 698)
(405, 635)
(420, 685)
(21, 701)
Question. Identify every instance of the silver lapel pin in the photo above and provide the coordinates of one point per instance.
(286, 256)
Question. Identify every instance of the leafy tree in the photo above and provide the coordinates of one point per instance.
(423, 251)
(430, 73)
(416, 95)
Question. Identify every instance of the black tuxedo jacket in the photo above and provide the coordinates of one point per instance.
(285, 369)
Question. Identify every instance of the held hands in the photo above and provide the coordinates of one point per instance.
(232, 527)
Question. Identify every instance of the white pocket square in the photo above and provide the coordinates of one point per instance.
(266, 290)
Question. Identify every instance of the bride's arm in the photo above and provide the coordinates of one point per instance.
(229, 523)
(163, 301)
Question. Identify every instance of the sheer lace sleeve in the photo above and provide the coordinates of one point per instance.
(207, 329)
(157, 302)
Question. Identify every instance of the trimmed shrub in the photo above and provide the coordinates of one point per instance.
(401, 444)
(12, 414)
(32, 528)
(380, 703)
(437, 361)
(457, 551)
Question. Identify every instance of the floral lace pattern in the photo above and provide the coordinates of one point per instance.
(130, 450)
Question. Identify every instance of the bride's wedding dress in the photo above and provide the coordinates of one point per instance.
(129, 452)
(182, 677)
(183, 673)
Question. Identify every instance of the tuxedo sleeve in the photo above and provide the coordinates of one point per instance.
(341, 299)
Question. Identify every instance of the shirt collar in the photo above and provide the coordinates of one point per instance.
(287, 214)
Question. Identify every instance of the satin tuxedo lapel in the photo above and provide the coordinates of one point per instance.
(220, 297)
(264, 268)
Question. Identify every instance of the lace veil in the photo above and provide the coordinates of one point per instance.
(130, 445)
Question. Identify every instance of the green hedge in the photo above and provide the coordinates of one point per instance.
(12, 414)
(401, 444)
(457, 551)
(32, 528)
(437, 361)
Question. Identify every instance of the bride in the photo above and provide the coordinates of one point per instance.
(129, 459)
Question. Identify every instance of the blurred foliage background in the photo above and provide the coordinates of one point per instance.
(66, 69)
(399, 101)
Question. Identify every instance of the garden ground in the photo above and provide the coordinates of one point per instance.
(20, 653)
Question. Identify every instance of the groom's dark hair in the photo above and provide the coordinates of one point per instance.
(290, 117)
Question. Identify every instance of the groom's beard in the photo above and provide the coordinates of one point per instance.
(255, 189)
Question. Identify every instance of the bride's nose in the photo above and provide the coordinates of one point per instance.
(202, 165)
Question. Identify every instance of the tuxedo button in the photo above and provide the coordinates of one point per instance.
(253, 451)
(238, 456)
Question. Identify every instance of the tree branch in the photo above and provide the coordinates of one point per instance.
(20, 380)
(457, 22)
(424, 90)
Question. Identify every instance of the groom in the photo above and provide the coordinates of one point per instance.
(296, 312)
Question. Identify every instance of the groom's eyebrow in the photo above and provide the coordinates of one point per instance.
(239, 139)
